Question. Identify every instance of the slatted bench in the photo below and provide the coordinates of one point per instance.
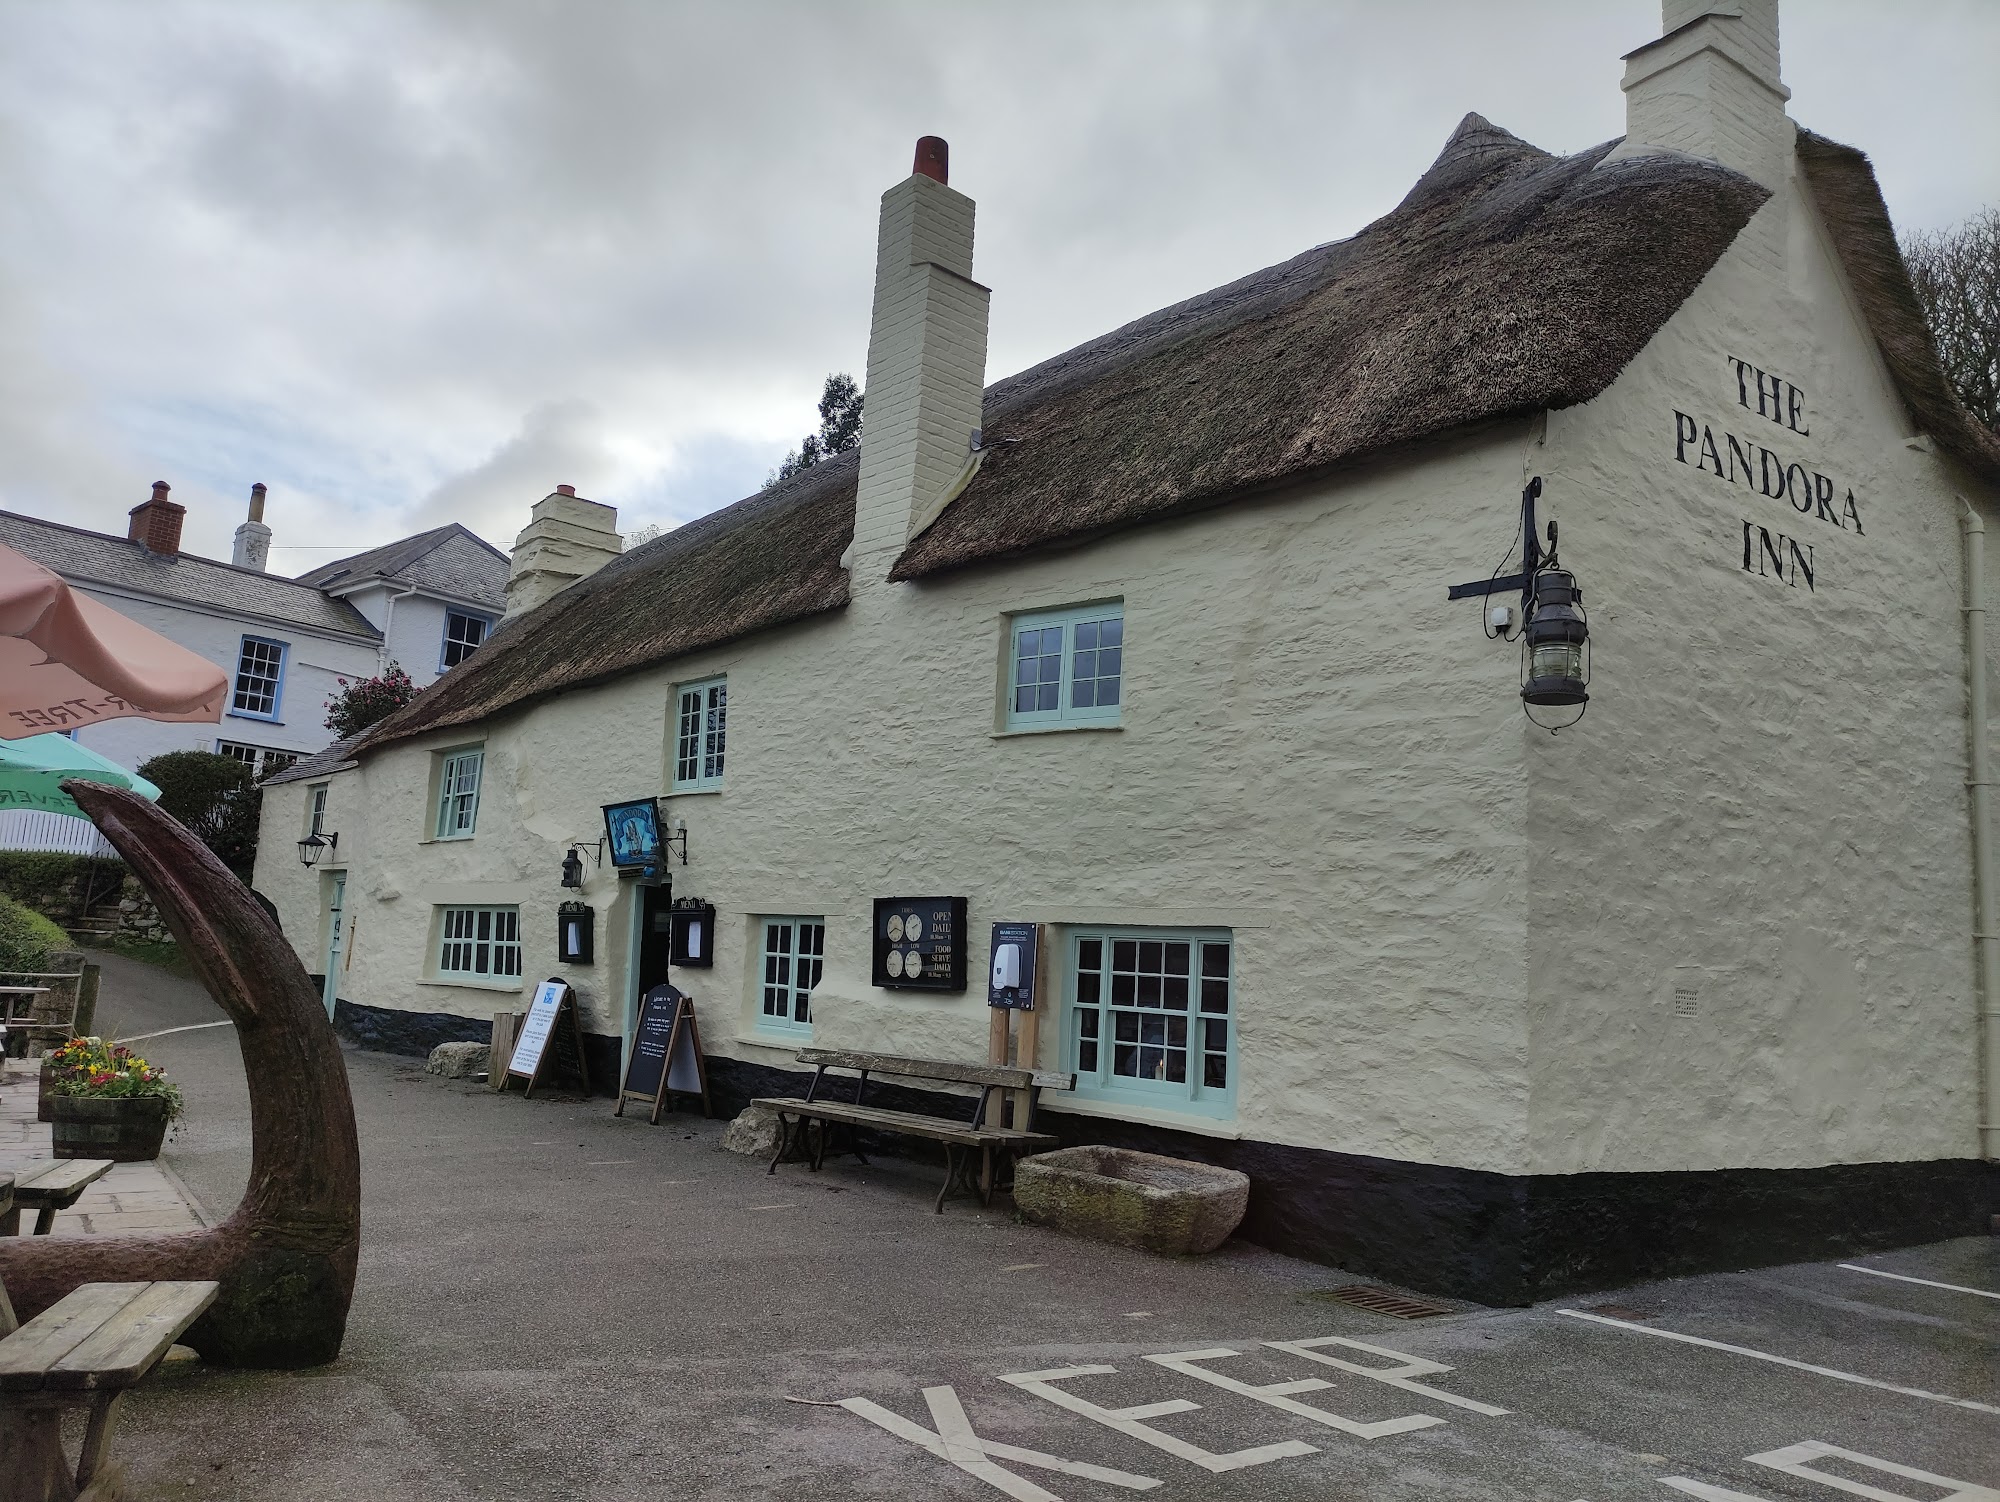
(984, 1134)
(88, 1348)
(46, 1185)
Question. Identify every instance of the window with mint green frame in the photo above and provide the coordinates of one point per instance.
(794, 955)
(1066, 667)
(701, 734)
(459, 775)
(1152, 1018)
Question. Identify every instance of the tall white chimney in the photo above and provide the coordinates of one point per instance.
(926, 361)
(1710, 88)
(253, 538)
(566, 539)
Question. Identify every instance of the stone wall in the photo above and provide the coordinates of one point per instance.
(83, 894)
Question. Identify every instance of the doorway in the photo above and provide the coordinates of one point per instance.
(336, 937)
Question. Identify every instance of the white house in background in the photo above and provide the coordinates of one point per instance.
(426, 602)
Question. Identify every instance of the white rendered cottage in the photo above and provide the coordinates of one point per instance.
(1500, 1013)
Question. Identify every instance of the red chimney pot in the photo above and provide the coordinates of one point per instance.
(156, 522)
(565, 490)
(933, 159)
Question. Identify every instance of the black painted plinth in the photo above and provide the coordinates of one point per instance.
(390, 1030)
(1506, 1239)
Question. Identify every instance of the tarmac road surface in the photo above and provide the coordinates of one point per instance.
(554, 1303)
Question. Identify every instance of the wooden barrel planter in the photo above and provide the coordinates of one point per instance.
(125, 1129)
(43, 1098)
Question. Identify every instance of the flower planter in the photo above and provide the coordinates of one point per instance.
(125, 1129)
(1134, 1199)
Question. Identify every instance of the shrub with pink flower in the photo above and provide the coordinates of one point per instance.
(361, 702)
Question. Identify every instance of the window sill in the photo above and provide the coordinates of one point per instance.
(692, 792)
(1194, 1126)
(261, 719)
(1053, 729)
(447, 839)
(773, 1041)
(473, 983)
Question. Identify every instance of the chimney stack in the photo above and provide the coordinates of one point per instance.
(253, 538)
(1709, 87)
(156, 523)
(926, 361)
(566, 539)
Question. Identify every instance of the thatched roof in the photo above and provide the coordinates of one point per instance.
(1508, 281)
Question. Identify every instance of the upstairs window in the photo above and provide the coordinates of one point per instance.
(316, 809)
(1066, 667)
(464, 633)
(458, 792)
(260, 678)
(701, 734)
(262, 760)
(794, 954)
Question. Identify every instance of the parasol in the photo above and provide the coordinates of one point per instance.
(33, 770)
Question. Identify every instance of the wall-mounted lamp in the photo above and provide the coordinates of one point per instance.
(676, 840)
(572, 870)
(1555, 639)
(314, 845)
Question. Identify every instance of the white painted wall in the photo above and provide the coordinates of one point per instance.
(314, 663)
(415, 627)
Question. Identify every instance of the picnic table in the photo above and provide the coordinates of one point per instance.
(46, 1185)
(985, 1135)
(19, 1003)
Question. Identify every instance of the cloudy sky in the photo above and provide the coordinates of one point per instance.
(409, 263)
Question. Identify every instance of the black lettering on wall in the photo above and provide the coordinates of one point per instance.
(1770, 553)
(1685, 432)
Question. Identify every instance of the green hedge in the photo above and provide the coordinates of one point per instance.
(27, 939)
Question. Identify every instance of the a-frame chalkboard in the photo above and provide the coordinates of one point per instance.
(666, 1053)
(550, 1044)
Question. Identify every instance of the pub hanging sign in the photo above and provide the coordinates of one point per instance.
(920, 943)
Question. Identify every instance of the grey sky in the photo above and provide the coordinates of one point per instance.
(410, 263)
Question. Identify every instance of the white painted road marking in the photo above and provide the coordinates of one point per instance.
(1279, 1395)
(1791, 1460)
(1804, 1366)
(1856, 1267)
(1395, 1376)
(1127, 1420)
(955, 1442)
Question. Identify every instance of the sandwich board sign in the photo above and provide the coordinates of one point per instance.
(666, 1053)
(550, 1044)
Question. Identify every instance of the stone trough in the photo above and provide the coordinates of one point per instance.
(1141, 1200)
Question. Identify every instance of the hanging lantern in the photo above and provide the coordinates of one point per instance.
(314, 845)
(573, 869)
(1555, 647)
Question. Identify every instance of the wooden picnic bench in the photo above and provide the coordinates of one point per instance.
(87, 1349)
(46, 1185)
(987, 1133)
(24, 1015)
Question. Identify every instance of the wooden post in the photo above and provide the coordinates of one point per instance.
(506, 1029)
(996, 1034)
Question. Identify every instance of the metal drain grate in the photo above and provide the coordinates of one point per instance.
(1619, 1311)
(1385, 1301)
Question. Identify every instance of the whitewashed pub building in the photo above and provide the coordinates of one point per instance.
(1154, 644)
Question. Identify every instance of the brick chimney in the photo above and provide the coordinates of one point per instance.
(566, 539)
(926, 361)
(156, 523)
(1709, 87)
(253, 538)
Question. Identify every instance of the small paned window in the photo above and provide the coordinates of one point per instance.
(701, 733)
(479, 943)
(316, 809)
(458, 792)
(1152, 1018)
(261, 760)
(260, 678)
(794, 954)
(464, 633)
(1066, 667)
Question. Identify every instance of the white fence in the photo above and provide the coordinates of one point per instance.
(23, 829)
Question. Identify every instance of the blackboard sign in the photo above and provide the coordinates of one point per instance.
(666, 1053)
(1012, 981)
(920, 943)
(550, 1045)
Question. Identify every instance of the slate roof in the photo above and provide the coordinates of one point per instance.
(335, 758)
(450, 560)
(99, 558)
(1508, 281)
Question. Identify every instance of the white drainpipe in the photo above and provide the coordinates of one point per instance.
(388, 620)
(1986, 934)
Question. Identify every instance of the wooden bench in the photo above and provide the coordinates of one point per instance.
(984, 1134)
(46, 1185)
(88, 1348)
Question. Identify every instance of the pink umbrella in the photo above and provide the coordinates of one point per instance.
(66, 660)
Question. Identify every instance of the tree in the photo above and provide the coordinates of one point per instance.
(1957, 276)
(216, 797)
(839, 429)
(358, 704)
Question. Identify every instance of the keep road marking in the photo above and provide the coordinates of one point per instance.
(1856, 1267)
(1628, 1328)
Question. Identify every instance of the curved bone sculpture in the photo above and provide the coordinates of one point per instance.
(286, 1258)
